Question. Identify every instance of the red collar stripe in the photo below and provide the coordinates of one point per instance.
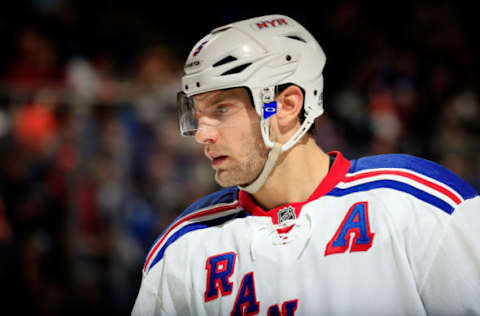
(337, 172)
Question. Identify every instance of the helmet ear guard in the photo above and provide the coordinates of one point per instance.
(313, 108)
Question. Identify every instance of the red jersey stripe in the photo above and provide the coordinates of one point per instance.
(405, 174)
(187, 218)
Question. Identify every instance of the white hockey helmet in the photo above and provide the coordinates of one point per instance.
(259, 54)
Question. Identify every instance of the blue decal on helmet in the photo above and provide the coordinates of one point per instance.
(269, 109)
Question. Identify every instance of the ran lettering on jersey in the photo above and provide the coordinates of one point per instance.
(220, 269)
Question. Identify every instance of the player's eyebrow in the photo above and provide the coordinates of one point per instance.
(211, 100)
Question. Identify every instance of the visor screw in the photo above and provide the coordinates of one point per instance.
(288, 57)
(198, 84)
(315, 92)
(186, 87)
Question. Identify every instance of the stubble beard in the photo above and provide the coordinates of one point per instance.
(248, 169)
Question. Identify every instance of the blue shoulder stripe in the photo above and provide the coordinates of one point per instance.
(227, 195)
(224, 196)
(192, 227)
(419, 165)
(395, 185)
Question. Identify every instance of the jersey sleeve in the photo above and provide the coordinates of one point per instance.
(147, 300)
(162, 292)
(452, 283)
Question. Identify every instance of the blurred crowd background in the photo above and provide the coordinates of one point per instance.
(92, 167)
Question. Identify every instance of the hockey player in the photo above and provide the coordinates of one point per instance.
(298, 231)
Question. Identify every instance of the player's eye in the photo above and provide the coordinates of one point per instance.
(221, 109)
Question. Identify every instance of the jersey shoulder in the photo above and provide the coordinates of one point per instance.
(224, 196)
(211, 210)
(419, 178)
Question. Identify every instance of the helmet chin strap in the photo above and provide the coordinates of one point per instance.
(274, 153)
(267, 169)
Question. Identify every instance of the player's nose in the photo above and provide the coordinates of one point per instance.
(206, 134)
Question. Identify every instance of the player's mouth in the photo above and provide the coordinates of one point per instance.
(218, 161)
(216, 158)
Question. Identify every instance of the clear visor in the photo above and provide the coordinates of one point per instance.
(186, 115)
(194, 117)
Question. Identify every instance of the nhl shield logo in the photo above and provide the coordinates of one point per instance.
(286, 214)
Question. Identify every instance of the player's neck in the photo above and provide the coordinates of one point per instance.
(297, 174)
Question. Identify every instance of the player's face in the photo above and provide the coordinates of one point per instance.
(235, 147)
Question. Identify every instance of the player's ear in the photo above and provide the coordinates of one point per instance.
(290, 102)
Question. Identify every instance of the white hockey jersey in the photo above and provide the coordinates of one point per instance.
(381, 235)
